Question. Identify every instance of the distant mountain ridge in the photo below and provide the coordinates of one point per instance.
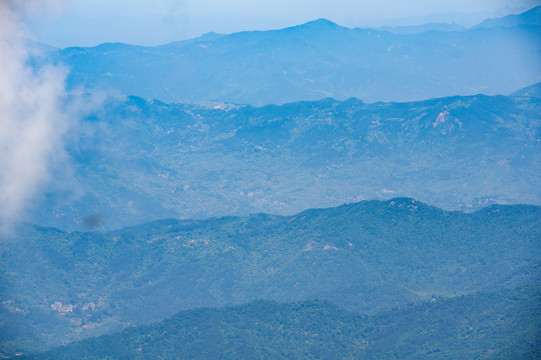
(314, 60)
(530, 17)
(530, 91)
(414, 29)
(136, 160)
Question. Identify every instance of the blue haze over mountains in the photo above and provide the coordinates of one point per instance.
(191, 190)
(319, 59)
(138, 160)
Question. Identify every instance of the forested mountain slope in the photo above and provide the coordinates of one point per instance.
(500, 325)
(135, 161)
(367, 257)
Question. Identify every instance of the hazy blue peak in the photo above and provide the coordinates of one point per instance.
(530, 91)
(530, 17)
(210, 36)
(532, 13)
(116, 46)
(322, 22)
(352, 101)
(318, 25)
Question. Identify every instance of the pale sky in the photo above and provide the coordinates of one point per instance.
(153, 22)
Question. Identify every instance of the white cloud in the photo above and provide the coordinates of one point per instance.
(32, 116)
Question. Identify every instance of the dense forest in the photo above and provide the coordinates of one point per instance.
(500, 325)
(366, 257)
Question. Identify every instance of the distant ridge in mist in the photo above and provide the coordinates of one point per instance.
(139, 160)
(318, 59)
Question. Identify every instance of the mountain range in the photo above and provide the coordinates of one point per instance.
(135, 160)
(499, 325)
(367, 257)
(316, 60)
(530, 17)
(177, 227)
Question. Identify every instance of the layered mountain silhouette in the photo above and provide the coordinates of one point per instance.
(177, 227)
(530, 17)
(530, 91)
(316, 60)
